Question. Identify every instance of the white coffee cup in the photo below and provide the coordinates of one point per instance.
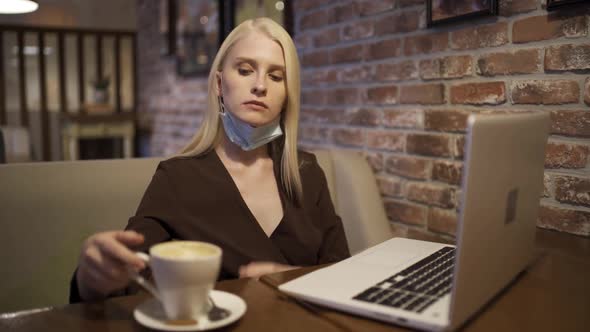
(184, 272)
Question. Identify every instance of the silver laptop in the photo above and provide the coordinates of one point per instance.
(433, 286)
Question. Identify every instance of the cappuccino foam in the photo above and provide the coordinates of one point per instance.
(181, 250)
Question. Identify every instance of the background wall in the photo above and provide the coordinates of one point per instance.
(76, 14)
(375, 80)
(103, 14)
(170, 107)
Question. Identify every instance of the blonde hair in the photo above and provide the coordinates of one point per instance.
(209, 134)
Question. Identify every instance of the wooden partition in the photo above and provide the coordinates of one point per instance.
(45, 73)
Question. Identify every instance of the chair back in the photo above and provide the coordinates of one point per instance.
(356, 198)
(48, 209)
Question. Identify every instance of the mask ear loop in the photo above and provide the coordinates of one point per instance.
(221, 105)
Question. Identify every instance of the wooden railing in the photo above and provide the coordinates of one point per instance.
(82, 75)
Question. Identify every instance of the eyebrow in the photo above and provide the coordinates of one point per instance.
(254, 63)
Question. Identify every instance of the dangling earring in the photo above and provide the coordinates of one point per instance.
(221, 105)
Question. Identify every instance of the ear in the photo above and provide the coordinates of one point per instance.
(218, 89)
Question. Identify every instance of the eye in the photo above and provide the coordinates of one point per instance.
(244, 71)
(276, 78)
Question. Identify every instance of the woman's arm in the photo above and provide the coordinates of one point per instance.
(105, 257)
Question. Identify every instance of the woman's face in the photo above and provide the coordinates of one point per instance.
(252, 80)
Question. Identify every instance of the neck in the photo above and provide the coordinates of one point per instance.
(229, 151)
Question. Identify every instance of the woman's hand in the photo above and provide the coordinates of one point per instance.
(258, 269)
(104, 261)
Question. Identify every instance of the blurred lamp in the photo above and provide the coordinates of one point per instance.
(17, 6)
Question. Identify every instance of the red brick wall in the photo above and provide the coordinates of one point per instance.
(376, 80)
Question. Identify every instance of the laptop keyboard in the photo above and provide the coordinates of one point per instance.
(416, 287)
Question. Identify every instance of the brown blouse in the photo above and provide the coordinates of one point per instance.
(195, 198)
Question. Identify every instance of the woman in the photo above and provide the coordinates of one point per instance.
(240, 183)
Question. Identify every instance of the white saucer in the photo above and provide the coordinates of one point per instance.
(151, 314)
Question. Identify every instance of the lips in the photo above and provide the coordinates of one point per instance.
(256, 104)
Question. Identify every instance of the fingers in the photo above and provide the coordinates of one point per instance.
(117, 250)
(102, 280)
(257, 269)
(97, 278)
(104, 262)
(109, 268)
(130, 238)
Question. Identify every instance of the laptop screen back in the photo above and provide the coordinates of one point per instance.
(502, 185)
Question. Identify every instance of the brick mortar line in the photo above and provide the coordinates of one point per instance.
(565, 76)
(541, 44)
(331, 4)
(416, 82)
(579, 140)
(453, 159)
(419, 157)
(535, 12)
(437, 184)
(372, 66)
(405, 200)
(448, 106)
(315, 8)
(575, 172)
(397, 130)
(546, 201)
(416, 131)
(482, 21)
(452, 107)
(581, 84)
(553, 172)
(357, 18)
(420, 9)
(474, 53)
(564, 206)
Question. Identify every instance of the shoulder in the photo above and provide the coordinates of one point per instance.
(312, 174)
(306, 157)
(308, 162)
(183, 162)
(185, 173)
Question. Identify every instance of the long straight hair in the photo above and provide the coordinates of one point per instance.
(209, 134)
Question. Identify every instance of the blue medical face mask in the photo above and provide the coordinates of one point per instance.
(244, 135)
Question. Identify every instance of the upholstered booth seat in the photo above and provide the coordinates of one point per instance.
(356, 198)
(48, 209)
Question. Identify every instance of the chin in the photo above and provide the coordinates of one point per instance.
(255, 119)
(257, 123)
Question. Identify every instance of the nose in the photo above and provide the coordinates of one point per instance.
(259, 88)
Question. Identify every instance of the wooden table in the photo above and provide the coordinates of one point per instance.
(553, 295)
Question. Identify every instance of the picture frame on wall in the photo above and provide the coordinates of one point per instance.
(196, 28)
(449, 11)
(555, 4)
(197, 31)
(166, 23)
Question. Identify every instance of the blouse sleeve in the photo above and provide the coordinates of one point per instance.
(334, 244)
(149, 220)
(156, 209)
